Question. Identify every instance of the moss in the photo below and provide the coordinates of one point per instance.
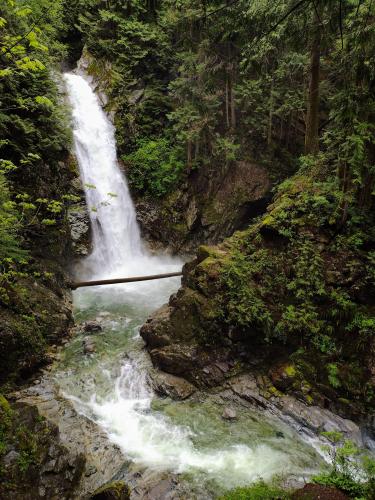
(5, 424)
(180, 228)
(257, 491)
(4, 406)
(344, 401)
(273, 391)
(15, 435)
(290, 370)
(309, 399)
(117, 490)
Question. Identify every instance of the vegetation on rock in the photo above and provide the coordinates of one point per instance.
(34, 177)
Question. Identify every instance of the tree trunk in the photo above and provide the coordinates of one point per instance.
(189, 153)
(312, 118)
(227, 101)
(233, 99)
(270, 116)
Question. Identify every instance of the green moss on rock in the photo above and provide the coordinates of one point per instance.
(116, 490)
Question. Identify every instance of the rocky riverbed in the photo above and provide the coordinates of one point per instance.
(224, 435)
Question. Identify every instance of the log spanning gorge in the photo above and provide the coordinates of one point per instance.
(111, 384)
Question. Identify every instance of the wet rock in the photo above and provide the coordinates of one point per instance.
(319, 419)
(176, 359)
(317, 491)
(10, 458)
(229, 414)
(92, 327)
(283, 376)
(153, 331)
(162, 490)
(116, 490)
(80, 230)
(70, 465)
(172, 386)
(88, 345)
(245, 386)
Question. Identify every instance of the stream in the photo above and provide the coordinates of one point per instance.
(111, 386)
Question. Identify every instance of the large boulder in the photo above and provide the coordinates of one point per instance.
(166, 384)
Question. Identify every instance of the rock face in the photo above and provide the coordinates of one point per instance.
(67, 463)
(80, 229)
(209, 206)
(35, 311)
(234, 296)
(41, 467)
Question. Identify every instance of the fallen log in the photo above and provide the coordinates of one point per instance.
(80, 284)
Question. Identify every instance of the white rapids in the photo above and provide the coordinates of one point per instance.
(124, 408)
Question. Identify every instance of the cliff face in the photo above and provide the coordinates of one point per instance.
(35, 306)
(207, 207)
(291, 298)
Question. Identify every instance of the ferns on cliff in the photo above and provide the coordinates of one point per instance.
(9, 226)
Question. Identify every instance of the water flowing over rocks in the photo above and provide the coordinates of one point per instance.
(208, 367)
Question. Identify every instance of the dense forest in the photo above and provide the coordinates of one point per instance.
(246, 131)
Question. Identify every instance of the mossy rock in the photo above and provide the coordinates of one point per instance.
(284, 376)
(116, 490)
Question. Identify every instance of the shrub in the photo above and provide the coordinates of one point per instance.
(154, 167)
(351, 471)
(257, 491)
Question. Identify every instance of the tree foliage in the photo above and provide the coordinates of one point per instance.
(33, 129)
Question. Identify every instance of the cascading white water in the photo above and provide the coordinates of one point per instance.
(121, 402)
(116, 236)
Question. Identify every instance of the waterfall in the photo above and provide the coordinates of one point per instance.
(116, 235)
